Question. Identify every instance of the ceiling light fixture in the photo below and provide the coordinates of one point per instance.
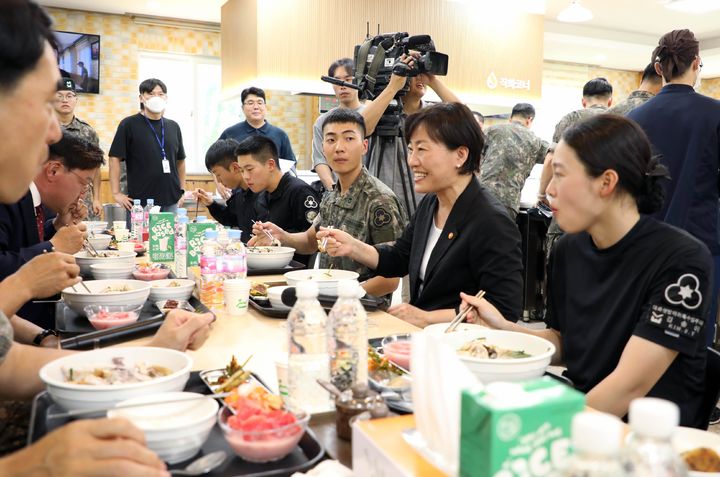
(692, 6)
(575, 13)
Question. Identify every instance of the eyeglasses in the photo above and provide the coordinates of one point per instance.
(252, 103)
(65, 97)
(86, 183)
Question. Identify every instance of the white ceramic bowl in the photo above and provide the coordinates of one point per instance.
(439, 328)
(78, 298)
(269, 257)
(100, 241)
(159, 289)
(275, 296)
(72, 396)
(84, 260)
(96, 226)
(174, 431)
(327, 285)
(110, 271)
(685, 439)
(518, 369)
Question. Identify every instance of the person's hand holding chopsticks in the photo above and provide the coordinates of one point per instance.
(483, 312)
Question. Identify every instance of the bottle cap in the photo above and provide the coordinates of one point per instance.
(183, 219)
(596, 433)
(151, 202)
(306, 289)
(211, 234)
(181, 211)
(234, 234)
(348, 289)
(653, 417)
(136, 201)
(201, 218)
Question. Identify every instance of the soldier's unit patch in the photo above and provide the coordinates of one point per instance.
(381, 217)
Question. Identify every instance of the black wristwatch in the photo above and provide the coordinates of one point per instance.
(42, 335)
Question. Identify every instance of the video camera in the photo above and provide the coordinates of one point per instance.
(379, 57)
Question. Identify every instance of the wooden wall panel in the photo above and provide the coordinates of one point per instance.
(297, 39)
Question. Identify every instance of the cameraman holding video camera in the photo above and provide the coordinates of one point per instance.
(412, 101)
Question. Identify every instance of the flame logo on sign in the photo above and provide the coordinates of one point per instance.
(492, 81)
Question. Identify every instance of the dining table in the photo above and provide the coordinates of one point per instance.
(264, 339)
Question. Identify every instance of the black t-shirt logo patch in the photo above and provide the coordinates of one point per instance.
(310, 216)
(381, 217)
(310, 202)
(685, 291)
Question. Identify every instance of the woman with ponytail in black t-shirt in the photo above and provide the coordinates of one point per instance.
(628, 296)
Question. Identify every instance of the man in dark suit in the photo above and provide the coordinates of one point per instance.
(25, 227)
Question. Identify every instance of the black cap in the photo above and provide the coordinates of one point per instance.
(66, 84)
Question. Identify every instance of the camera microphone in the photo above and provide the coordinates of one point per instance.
(338, 82)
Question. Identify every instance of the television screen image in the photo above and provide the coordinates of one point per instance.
(79, 59)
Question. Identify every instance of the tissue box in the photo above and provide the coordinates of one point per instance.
(378, 450)
(516, 429)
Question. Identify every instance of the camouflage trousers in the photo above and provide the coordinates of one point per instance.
(14, 424)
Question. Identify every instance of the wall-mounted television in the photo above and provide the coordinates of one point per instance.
(79, 59)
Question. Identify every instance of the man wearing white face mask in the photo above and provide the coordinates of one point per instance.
(152, 148)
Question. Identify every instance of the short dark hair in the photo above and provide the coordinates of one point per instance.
(598, 87)
(610, 141)
(479, 116)
(649, 74)
(344, 115)
(346, 63)
(252, 90)
(76, 152)
(526, 110)
(675, 53)
(24, 29)
(261, 149)
(150, 84)
(453, 125)
(221, 153)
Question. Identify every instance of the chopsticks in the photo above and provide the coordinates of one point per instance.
(90, 248)
(461, 316)
(323, 244)
(266, 232)
(97, 410)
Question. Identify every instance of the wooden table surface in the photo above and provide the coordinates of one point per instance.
(265, 339)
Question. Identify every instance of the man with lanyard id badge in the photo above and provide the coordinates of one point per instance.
(152, 148)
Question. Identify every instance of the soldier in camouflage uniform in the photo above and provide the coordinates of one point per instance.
(511, 151)
(597, 98)
(360, 204)
(650, 85)
(65, 103)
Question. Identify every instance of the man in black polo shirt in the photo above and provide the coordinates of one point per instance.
(254, 107)
(152, 148)
(282, 199)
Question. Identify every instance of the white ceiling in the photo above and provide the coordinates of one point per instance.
(622, 34)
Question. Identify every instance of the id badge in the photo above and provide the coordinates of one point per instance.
(166, 166)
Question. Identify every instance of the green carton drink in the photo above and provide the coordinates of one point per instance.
(162, 237)
(195, 236)
(517, 429)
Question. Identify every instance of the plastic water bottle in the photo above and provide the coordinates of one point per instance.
(650, 452)
(137, 220)
(146, 219)
(181, 246)
(223, 241)
(211, 287)
(348, 345)
(235, 256)
(308, 358)
(596, 440)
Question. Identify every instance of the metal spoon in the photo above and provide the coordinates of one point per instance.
(203, 465)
